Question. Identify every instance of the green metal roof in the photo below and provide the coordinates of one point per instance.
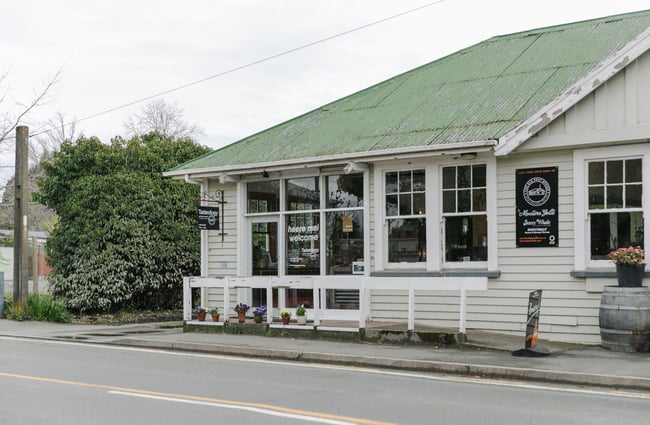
(475, 94)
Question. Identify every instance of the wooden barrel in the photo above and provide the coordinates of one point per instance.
(624, 318)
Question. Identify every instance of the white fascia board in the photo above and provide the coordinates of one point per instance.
(322, 161)
(586, 85)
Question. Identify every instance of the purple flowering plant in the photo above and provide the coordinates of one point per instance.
(631, 256)
(260, 310)
(242, 308)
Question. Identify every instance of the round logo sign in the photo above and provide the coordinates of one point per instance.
(537, 191)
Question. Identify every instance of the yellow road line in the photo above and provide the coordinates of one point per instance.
(197, 398)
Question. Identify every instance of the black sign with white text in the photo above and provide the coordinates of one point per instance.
(208, 218)
(537, 214)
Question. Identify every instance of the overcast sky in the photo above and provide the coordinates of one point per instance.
(116, 52)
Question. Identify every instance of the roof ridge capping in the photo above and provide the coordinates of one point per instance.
(602, 72)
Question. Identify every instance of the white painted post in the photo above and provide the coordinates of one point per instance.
(187, 299)
(269, 302)
(363, 306)
(226, 299)
(316, 294)
(463, 301)
(411, 309)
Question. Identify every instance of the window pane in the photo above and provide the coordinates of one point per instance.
(614, 171)
(404, 181)
(449, 178)
(303, 194)
(407, 240)
(405, 204)
(464, 176)
(479, 202)
(391, 182)
(449, 201)
(263, 196)
(264, 240)
(466, 238)
(345, 191)
(596, 173)
(633, 195)
(344, 236)
(633, 170)
(596, 197)
(464, 200)
(418, 203)
(614, 196)
(391, 205)
(418, 181)
(610, 231)
(478, 176)
(303, 244)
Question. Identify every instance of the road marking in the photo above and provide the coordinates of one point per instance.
(242, 405)
(236, 407)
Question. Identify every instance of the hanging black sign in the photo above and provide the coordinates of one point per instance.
(208, 218)
(537, 215)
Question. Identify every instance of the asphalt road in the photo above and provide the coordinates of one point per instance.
(46, 382)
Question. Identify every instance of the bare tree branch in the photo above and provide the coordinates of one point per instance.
(162, 117)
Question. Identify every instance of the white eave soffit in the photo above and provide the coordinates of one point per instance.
(586, 85)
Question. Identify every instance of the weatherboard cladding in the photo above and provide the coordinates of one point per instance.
(476, 94)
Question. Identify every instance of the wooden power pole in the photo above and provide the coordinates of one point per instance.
(21, 251)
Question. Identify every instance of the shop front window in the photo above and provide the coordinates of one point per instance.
(405, 215)
(263, 196)
(464, 209)
(614, 205)
(303, 244)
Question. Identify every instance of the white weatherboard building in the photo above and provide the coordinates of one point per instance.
(445, 195)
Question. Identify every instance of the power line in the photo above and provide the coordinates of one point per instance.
(250, 64)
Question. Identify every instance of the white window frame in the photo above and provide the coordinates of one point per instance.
(582, 239)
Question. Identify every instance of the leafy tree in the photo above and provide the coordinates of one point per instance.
(125, 235)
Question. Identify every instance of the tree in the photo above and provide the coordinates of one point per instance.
(161, 117)
(126, 236)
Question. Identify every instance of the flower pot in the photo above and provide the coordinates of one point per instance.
(215, 317)
(201, 316)
(302, 320)
(630, 276)
(258, 318)
(241, 317)
(285, 320)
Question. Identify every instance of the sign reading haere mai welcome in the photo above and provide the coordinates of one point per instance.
(537, 215)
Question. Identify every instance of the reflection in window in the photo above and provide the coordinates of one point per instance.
(303, 244)
(345, 191)
(263, 196)
(344, 242)
(407, 241)
(405, 210)
(303, 194)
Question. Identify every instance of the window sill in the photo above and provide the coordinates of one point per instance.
(598, 273)
(441, 273)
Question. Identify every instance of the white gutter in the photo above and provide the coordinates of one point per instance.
(323, 161)
(583, 87)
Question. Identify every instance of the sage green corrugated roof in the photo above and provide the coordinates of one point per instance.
(475, 94)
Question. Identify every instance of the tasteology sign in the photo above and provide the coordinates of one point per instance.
(537, 204)
(208, 218)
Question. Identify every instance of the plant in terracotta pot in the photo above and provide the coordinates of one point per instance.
(630, 265)
(214, 312)
(301, 314)
(200, 313)
(241, 310)
(285, 316)
(259, 313)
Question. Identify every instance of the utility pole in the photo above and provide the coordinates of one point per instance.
(21, 252)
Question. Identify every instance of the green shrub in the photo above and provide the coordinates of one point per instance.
(42, 307)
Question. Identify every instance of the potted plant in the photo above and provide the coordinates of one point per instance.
(259, 313)
(215, 314)
(285, 316)
(200, 313)
(630, 265)
(301, 314)
(241, 310)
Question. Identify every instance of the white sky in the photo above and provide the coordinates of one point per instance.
(117, 51)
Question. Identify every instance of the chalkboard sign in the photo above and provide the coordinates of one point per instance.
(537, 207)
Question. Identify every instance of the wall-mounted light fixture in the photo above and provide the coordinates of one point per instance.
(355, 167)
(468, 155)
(265, 174)
(228, 178)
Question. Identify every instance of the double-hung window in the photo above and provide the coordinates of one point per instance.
(405, 216)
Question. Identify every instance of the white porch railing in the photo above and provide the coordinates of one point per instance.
(364, 284)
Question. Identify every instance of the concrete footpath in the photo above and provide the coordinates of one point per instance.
(484, 354)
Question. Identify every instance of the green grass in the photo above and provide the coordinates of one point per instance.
(41, 307)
